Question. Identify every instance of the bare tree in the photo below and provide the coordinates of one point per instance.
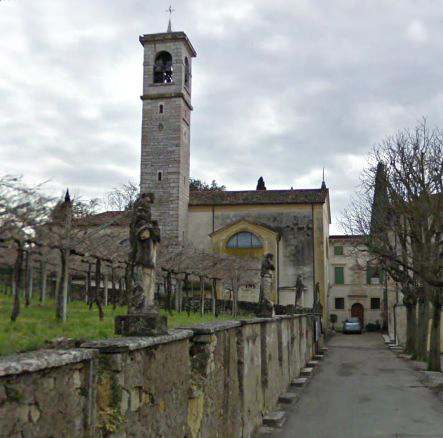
(22, 209)
(406, 233)
(238, 272)
(122, 198)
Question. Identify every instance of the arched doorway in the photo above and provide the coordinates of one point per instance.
(358, 311)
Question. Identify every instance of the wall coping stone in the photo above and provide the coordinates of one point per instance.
(255, 321)
(42, 359)
(274, 318)
(212, 327)
(118, 345)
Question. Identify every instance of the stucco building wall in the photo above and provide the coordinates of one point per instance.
(297, 249)
(355, 288)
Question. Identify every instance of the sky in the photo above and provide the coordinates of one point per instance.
(281, 88)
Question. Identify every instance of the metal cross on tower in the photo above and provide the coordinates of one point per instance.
(170, 10)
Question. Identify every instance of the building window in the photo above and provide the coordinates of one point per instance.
(339, 273)
(375, 303)
(339, 303)
(159, 175)
(244, 239)
(163, 68)
(187, 72)
(160, 109)
(338, 250)
(374, 274)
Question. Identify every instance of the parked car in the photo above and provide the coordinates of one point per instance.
(352, 325)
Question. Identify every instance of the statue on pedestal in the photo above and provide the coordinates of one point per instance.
(299, 288)
(317, 307)
(143, 318)
(144, 236)
(266, 305)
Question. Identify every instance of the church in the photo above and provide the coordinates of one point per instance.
(293, 225)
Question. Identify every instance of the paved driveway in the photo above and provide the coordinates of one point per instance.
(362, 390)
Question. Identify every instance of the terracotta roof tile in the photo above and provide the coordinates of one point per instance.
(305, 196)
(111, 217)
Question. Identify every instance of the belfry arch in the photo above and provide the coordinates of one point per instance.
(163, 69)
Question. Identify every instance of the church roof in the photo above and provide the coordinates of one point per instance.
(248, 197)
(105, 218)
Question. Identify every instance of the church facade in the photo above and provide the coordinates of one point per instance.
(293, 225)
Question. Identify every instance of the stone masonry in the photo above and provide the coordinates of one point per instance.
(166, 123)
(213, 380)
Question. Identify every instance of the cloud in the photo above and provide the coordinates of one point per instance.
(416, 32)
(280, 89)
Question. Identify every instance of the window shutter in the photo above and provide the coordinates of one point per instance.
(339, 275)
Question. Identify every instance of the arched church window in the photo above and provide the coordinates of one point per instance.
(163, 68)
(244, 239)
(187, 72)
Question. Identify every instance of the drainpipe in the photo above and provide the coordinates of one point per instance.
(213, 218)
(313, 250)
(278, 269)
(396, 296)
(395, 312)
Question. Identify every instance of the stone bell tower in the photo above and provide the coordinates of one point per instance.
(166, 128)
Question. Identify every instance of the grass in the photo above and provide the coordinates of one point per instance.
(37, 324)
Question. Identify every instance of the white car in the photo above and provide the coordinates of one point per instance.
(352, 325)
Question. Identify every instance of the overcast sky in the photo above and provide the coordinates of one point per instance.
(281, 88)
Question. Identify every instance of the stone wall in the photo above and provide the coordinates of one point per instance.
(400, 314)
(48, 394)
(212, 380)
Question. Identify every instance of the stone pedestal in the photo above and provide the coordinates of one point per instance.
(290, 309)
(265, 310)
(142, 324)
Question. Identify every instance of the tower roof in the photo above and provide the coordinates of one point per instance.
(167, 36)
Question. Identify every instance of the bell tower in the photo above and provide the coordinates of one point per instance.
(166, 128)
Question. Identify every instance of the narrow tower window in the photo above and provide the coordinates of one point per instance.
(187, 72)
(159, 175)
(163, 68)
(160, 109)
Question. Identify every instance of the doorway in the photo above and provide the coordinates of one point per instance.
(358, 311)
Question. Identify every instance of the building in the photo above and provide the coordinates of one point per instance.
(293, 225)
(357, 284)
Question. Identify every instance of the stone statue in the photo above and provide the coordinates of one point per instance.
(143, 318)
(261, 184)
(266, 273)
(317, 293)
(317, 305)
(299, 288)
(144, 236)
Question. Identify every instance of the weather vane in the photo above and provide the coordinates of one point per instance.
(170, 10)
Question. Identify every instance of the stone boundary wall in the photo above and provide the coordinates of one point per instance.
(400, 314)
(212, 380)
